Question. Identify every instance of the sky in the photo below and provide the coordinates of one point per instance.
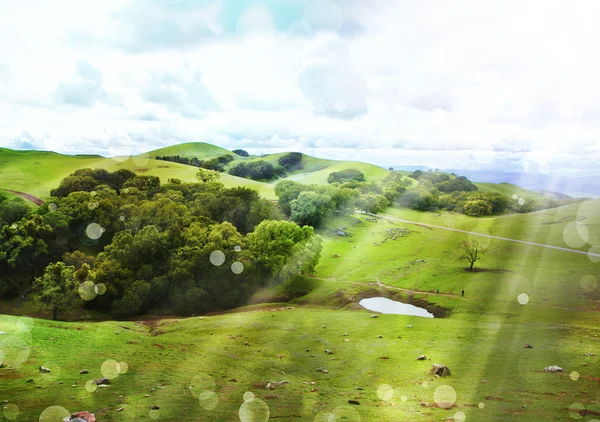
(503, 85)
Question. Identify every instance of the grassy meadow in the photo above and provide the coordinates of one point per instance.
(218, 367)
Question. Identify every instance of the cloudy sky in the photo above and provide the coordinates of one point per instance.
(510, 84)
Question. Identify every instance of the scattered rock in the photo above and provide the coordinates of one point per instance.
(325, 371)
(424, 403)
(38, 386)
(328, 352)
(84, 416)
(374, 316)
(409, 326)
(439, 370)
(346, 340)
(422, 357)
(146, 395)
(319, 369)
(232, 380)
(313, 383)
(335, 255)
(358, 388)
(528, 346)
(102, 381)
(380, 336)
(120, 409)
(323, 326)
(484, 381)
(154, 407)
(152, 390)
(553, 368)
(84, 371)
(2, 333)
(44, 370)
(345, 334)
(590, 354)
(29, 380)
(353, 402)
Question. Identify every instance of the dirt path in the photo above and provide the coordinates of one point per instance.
(29, 197)
(433, 226)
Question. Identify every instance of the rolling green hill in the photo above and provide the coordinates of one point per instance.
(509, 190)
(232, 357)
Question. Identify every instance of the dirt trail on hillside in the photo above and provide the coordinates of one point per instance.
(433, 226)
(27, 196)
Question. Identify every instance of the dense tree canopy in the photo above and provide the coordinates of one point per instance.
(188, 247)
(255, 170)
(291, 161)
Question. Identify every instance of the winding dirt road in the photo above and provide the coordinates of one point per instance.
(433, 226)
(34, 199)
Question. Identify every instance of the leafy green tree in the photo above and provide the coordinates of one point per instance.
(311, 209)
(12, 210)
(291, 161)
(372, 203)
(207, 176)
(425, 202)
(274, 242)
(477, 208)
(57, 289)
(287, 191)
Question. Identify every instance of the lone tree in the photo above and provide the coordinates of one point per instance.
(471, 251)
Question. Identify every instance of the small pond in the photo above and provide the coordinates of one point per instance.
(388, 306)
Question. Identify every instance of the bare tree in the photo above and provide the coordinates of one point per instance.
(471, 251)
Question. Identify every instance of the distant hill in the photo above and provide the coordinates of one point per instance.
(554, 195)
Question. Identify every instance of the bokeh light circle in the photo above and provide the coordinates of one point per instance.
(52, 207)
(25, 323)
(248, 395)
(10, 411)
(594, 254)
(93, 231)
(110, 369)
(300, 28)
(345, 413)
(154, 414)
(54, 414)
(237, 267)
(444, 396)
(576, 410)
(100, 289)
(521, 201)
(481, 405)
(87, 290)
(217, 258)
(254, 410)
(237, 248)
(15, 351)
(210, 402)
(459, 417)
(91, 386)
(123, 367)
(575, 234)
(385, 392)
(574, 375)
(523, 298)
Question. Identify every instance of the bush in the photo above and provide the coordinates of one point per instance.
(225, 159)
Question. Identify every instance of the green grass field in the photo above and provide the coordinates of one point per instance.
(519, 294)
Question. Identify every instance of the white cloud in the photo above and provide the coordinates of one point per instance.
(477, 84)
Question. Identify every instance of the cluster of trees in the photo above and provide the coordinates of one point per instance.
(256, 170)
(312, 204)
(150, 245)
(241, 152)
(444, 182)
(217, 163)
(346, 175)
(291, 161)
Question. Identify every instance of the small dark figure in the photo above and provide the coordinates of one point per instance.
(438, 291)
(462, 293)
